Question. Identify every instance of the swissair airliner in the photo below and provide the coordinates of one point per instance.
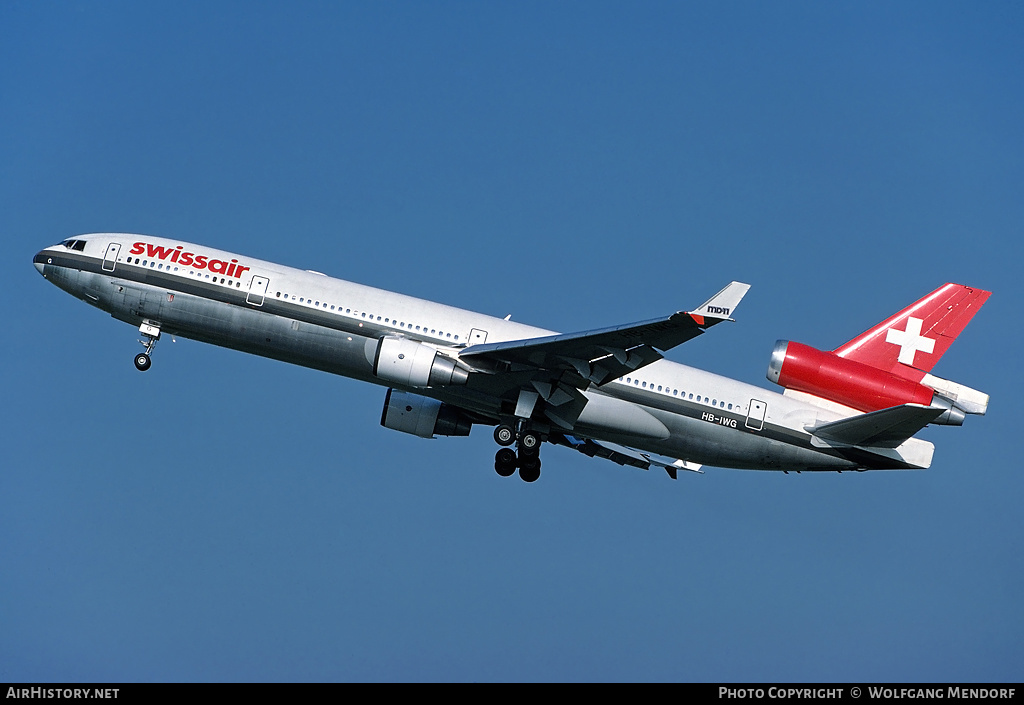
(606, 392)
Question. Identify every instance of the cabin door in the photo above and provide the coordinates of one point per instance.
(755, 416)
(110, 257)
(257, 290)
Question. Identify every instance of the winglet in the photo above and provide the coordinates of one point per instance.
(722, 304)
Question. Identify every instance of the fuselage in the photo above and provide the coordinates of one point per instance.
(310, 319)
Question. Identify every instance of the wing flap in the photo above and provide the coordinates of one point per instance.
(623, 455)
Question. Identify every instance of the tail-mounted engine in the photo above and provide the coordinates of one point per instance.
(408, 363)
(863, 387)
(422, 416)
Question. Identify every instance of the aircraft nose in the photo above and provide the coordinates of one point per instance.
(40, 261)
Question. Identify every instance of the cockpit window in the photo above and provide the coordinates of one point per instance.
(78, 245)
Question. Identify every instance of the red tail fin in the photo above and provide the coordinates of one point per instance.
(912, 341)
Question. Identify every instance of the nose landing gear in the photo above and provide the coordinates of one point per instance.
(151, 333)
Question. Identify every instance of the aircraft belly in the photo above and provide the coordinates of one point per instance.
(276, 337)
(710, 443)
(248, 330)
(604, 414)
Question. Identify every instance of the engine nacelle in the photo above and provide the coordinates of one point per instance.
(422, 416)
(863, 387)
(409, 363)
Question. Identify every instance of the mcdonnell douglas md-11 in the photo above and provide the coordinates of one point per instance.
(605, 392)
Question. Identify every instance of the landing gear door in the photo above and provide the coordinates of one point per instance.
(110, 257)
(257, 290)
(755, 416)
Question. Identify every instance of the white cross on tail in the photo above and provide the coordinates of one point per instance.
(910, 340)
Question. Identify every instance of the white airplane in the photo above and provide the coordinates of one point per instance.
(606, 393)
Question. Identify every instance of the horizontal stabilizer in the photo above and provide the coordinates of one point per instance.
(886, 428)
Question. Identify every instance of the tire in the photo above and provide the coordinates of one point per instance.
(529, 442)
(142, 362)
(530, 474)
(505, 462)
(504, 435)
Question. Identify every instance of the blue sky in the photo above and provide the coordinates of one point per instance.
(225, 517)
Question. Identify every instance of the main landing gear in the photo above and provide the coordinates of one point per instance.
(151, 333)
(526, 457)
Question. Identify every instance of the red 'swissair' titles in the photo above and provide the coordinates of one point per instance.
(189, 259)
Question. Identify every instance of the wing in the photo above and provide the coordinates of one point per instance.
(599, 356)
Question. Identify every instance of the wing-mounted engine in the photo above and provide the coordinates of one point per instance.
(422, 416)
(801, 368)
(412, 364)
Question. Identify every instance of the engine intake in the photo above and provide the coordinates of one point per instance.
(422, 416)
(805, 369)
(412, 364)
